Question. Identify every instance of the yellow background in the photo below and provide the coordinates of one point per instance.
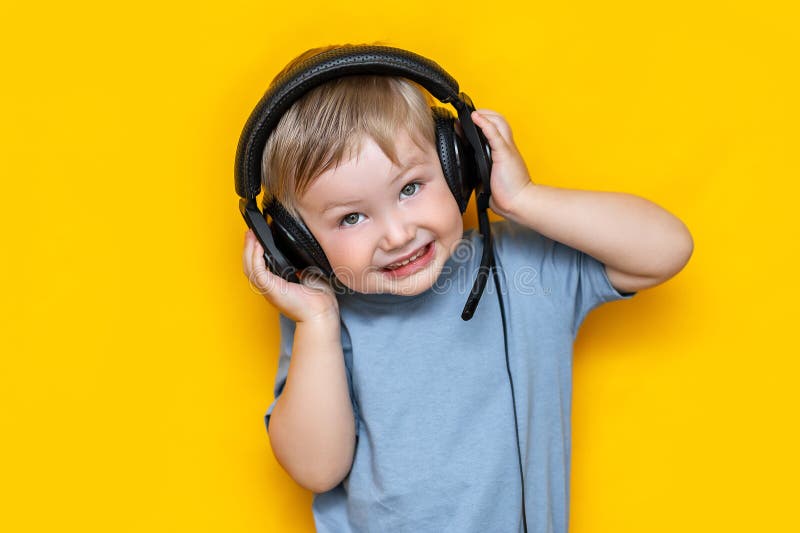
(137, 364)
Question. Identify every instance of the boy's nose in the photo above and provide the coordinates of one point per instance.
(397, 233)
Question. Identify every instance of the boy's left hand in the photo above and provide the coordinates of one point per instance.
(509, 174)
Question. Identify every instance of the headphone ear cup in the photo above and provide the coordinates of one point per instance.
(453, 157)
(295, 240)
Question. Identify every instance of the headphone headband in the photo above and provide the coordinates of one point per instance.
(316, 70)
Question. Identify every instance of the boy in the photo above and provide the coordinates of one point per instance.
(397, 414)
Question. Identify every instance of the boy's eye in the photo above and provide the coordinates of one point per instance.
(351, 219)
(410, 189)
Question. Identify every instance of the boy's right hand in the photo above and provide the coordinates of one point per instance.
(311, 300)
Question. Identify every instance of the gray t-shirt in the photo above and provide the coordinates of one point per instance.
(436, 448)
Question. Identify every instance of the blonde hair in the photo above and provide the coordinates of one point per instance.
(327, 125)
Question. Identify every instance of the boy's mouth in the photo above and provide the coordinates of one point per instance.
(411, 264)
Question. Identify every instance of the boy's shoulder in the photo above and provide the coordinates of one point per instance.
(506, 235)
(523, 253)
(511, 239)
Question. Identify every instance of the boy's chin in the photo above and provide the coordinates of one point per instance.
(409, 286)
(403, 289)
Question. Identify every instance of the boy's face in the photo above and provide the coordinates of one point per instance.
(370, 216)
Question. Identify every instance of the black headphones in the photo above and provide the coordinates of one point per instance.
(288, 244)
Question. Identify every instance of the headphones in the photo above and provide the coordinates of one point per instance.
(288, 244)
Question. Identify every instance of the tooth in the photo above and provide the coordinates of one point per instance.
(407, 261)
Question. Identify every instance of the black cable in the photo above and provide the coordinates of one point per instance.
(513, 399)
(483, 221)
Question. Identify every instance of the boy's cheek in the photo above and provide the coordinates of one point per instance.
(351, 268)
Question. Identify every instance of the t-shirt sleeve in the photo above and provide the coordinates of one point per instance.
(592, 286)
(575, 281)
(287, 340)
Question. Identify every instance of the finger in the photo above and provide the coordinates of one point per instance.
(247, 256)
(247, 251)
(263, 282)
(496, 141)
(488, 112)
(259, 275)
(500, 123)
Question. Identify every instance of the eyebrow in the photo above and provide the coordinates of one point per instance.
(355, 201)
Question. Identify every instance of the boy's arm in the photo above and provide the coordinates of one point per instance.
(312, 429)
(312, 426)
(640, 243)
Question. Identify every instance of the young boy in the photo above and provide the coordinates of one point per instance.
(397, 414)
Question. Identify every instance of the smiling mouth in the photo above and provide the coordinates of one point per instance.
(421, 253)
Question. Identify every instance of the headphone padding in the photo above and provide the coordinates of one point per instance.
(451, 156)
(295, 240)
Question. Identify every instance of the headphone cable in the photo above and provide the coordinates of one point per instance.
(483, 222)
